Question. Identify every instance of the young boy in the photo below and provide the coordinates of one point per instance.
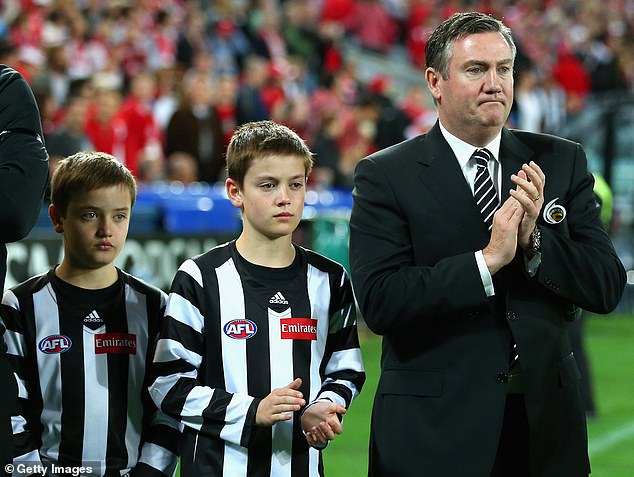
(257, 328)
(79, 338)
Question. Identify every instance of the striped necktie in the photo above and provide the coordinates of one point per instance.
(484, 191)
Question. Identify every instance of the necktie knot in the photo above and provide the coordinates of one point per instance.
(482, 157)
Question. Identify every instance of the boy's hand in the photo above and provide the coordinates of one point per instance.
(280, 404)
(321, 423)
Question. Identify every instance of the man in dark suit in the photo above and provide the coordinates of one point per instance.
(478, 378)
(23, 180)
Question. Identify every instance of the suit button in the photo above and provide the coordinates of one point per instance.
(510, 315)
(502, 378)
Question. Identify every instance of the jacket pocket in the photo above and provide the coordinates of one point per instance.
(568, 371)
(412, 382)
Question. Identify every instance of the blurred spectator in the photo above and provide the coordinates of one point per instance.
(325, 146)
(182, 167)
(392, 122)
(229, 46)
(603, 65)
(191, 38)
(141, 131)
(167, 95)
(529, 113)
(372, 26)
(250, 104)
(226, 110)
(105, 129)
(570, 73)
(553, 99)
(195, 128)
(70, 137)
(53, 75)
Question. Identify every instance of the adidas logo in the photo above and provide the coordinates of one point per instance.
(93, 317)
(278, 299)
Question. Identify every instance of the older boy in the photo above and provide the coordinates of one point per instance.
(79, 337)
(258, 327)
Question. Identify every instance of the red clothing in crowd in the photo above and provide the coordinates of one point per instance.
(140, 131)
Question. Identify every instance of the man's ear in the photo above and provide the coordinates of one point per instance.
(433, 79)
(56, 218)
(234, 192)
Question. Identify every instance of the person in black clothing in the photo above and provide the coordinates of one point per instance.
(23, 180)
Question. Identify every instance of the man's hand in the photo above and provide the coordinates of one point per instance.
(503, 243)
(280, 404)
(530, 183)
(321, 424)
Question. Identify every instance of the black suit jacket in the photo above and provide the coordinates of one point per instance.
(413, 233)
(23, 180)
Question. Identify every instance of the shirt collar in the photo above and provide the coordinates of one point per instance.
(463, 150)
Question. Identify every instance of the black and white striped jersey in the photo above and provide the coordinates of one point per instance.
(80, 358)
(233, 332)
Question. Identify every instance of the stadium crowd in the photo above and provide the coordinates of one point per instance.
(162, 84)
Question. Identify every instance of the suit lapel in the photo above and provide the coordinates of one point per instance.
(444, 179)
(513, 153)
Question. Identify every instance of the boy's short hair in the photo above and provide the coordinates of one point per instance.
(86, 171)
(259, 139)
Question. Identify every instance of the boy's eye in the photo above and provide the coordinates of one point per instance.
(89, 215)
(267, 185)
(120, 217)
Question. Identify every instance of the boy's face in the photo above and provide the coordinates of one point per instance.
(95, 227)
(272, 195)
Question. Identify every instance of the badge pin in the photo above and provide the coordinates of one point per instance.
(554, 213)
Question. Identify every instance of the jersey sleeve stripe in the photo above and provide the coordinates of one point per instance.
(190, 268)
(235, 415)
(171, 350)
(182, 310)
(16, 344)
(18, 423)
(183, 334)
(158, 458)
(345, 359)
(165, 433)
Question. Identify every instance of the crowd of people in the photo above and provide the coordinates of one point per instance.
(162, 85)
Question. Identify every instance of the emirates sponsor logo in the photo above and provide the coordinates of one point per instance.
(298, 329)
(115, 343)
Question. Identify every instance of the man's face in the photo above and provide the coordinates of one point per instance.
(475, 99)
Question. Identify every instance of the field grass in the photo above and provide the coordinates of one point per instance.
(609, 344)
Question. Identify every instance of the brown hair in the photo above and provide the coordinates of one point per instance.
(86, 171)
(259, 139)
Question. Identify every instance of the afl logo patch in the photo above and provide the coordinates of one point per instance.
(55, 344)
(554, 213)
(240, 329)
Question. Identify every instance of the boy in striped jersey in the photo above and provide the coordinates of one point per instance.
(80, 336)
(259, 355)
